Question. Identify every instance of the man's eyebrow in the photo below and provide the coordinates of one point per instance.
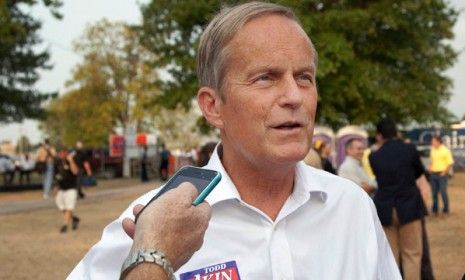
(264, 68)
(277, 69)
(310, 68)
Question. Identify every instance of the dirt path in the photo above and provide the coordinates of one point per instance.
(32, 247)
(15, 206)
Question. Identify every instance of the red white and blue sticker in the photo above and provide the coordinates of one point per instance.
(222, 271)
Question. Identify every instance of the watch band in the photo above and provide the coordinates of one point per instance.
(147, 256)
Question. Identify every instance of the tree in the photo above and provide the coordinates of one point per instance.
(23, 146)
(81, 114)
(376, 58)
(112, 87)
(20, 60)
(178, 128)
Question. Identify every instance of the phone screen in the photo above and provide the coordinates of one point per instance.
(203, 179)
(199, 183)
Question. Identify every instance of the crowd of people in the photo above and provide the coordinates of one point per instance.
(63, 171)
(395, 178)
(23, 166)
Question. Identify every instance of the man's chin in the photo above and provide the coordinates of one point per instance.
(292, 153)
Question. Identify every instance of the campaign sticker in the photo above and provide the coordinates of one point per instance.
(222, 271)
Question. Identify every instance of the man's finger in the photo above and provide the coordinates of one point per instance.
(136, 210)
(186, 189)
(129, 227)
(205, 211)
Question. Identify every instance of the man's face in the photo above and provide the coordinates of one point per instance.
(62, 154)
(435, 143)
(356, 150)
(270, 92)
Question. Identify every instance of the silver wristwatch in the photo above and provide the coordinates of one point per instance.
(147, 256)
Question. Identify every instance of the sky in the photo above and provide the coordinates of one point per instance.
(58, 36)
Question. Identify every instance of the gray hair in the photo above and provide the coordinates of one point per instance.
(213, 52)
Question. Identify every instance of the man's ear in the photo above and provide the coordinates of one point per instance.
(210, 103)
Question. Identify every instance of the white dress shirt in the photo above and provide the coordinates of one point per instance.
(352, 169)
(327, 229)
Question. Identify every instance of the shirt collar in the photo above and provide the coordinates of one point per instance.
(225, 190)
(309, 181)
(306, 182)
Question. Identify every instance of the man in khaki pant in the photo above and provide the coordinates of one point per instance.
(398, 201)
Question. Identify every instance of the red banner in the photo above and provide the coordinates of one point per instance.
(116, 145)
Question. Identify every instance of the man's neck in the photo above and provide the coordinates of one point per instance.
(264, 187)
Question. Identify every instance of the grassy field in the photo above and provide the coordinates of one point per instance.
(32, 247)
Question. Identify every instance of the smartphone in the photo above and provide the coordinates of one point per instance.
(203, 179)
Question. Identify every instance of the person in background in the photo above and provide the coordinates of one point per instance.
(398, 200)
(373, 145)
(7, 169)
(46, 160)
(352, 169)
(441, 162)
(26, 166)
(324, 151)
(313, 159)
(66, 177)
(164, 158)
(143, 164)
(82, 160)
(205, 153)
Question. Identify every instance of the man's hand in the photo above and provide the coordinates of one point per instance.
(128, 225)
(367, 187)
(171, 224)
(424, 187)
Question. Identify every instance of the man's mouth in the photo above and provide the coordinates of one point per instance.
(289, 125)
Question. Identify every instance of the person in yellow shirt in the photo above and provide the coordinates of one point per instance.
(441, 163)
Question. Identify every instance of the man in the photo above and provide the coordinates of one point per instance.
(46, 159)
(66, 177)
(396, 166)
(164, 162)
(273, 217)
(7, 169)
(441, 162)
(323, 150)
(352, 169)
(143, 164)
(26, 166)
(83, 163)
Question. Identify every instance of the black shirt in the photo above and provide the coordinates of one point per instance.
(396, 166)
(81, 157)
(65, 178)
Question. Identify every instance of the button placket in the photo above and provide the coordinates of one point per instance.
(280, 254)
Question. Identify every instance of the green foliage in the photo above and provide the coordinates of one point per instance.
(376, 58)
(112, 87)
(20, 60)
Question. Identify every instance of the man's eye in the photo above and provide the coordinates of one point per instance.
(306, 78)
(264, 78)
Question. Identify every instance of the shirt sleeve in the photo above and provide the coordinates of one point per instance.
(450, 158)
(105, 258)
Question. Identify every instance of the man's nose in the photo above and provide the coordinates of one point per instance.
(292, 95)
